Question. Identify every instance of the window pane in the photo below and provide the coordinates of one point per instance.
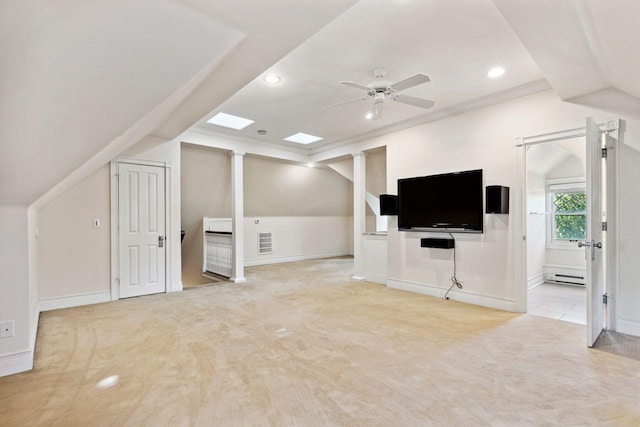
(569, 202)
(570, 227)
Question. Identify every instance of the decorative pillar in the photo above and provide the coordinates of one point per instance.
(359, 214)
(237, 216)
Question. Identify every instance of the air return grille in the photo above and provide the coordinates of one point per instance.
(265, 243)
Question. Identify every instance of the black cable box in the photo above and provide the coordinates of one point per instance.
(435, 242)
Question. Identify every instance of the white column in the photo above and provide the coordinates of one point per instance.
(237, 216)
(359, 214)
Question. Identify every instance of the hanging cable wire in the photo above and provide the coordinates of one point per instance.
(454, 278)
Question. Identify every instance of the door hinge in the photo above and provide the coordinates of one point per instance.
(604, 225)
(604, 153)
(605, 298)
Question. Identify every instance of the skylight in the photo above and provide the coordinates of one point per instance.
(229, 121)
(302, 138)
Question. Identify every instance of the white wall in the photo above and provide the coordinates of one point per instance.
(297, 238)
(275, 188)
(628, 293)
(74, 257)
(14, 278)
(484, 139)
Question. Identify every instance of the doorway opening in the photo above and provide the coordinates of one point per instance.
(556, 220)
(599, 218)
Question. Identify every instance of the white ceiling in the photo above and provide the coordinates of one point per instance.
(83, 80)
(455, 42)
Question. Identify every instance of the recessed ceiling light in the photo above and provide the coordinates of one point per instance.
(310, 165)
(272, 79)
(229, 121)
(495, 72)
(369, 116)
(302, 138)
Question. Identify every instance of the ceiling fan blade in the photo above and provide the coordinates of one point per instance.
(361, 98)
(416, 102)
(412, 81)
(356, 85)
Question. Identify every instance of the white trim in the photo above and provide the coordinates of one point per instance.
(115, 258)
(74, 300)
(519, 235)
(535, 281)
(456, 295)
(176, 287)
(376, 278)
(16, 362)
(278, 260)
(628, 327)
(142, 162)
(168, 229)
(34, 330)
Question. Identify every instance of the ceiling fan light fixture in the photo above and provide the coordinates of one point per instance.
(495, 72)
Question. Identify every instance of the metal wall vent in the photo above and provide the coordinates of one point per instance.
(265, 243)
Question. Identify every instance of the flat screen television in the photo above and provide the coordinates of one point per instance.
(446, 202)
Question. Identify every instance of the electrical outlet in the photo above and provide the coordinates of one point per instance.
(7, 328)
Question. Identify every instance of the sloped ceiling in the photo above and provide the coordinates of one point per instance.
(79, 76)
(586, 49)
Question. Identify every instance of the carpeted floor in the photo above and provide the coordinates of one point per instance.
(301, 344)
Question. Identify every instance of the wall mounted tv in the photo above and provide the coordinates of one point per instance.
(447, 202)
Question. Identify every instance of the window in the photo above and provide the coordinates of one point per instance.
(568, 217)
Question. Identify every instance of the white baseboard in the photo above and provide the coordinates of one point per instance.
(536, 280)
(74, 300)
(628, 327)
(16, 362)
(455, 294)
(278, 260)
(376, 278)
(21, 361)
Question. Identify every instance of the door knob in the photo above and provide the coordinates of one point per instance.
(598, 245)
(583, 244)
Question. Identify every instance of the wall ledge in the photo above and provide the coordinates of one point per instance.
(455, 294)
(278, 260)
(74, 300)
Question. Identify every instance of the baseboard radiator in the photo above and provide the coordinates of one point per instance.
(564, 275)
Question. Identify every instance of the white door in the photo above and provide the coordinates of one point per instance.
(141, 225)
(594, 240)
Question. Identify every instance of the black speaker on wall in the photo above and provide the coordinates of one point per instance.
(497, 199)
(388, 204)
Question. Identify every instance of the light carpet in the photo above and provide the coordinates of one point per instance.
(301, 344)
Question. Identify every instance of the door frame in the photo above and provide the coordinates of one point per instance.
(115, 235)
(611, 127)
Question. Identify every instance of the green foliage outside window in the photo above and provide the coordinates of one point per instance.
(570, 218)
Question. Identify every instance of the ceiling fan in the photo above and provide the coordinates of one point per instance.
(380, 90)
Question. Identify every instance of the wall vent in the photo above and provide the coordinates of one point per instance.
(265, 243)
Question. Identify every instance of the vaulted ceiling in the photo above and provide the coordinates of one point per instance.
(82, 80)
